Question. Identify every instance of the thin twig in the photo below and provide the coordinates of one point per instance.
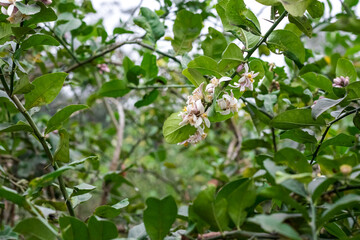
(327, 129)
(116, 46)
(160, 86)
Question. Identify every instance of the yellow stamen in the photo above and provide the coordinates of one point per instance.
(252, 80)
(186, 144)
(249, 75)
(204, 115)
(185, 109)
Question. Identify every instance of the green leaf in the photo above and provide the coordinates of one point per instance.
(231, 58)
(149, 65)
(147, 99)
(34, 228)
(303, 23)
(214, 44)
(287, 43)
(7, 234)
(340, 140)
(5, 30)
(324, 104)
(356, 120)
(119, 30)
(186, 29)
(274, 223)
(114, 88)
(23, 85)
(335, 229)
(194, 76)
(237, 209)
(48, 178)
(101, 229)
(150, 22)
(296, 8)
(12, 196)
(134, 74)
(346, 68)
(173, 132)
(250, 144)
(18, 127)
(73, 228)
(39, 40)
(159, 216)
(296, 118)
(293, 159)
(268, 2)
(280, 193)
(299, 136)
(210, 210)
(291, 184)
(66, 23)
(112, 211)
(47, 87)
(318, 186)
(345, 202)
(46, 14)
(238, 15)
(62, 153)
(316, 9)
(344, 23)
(28, 9)
(82, 188)
(205, 65)
(318, 80)
(56, 121)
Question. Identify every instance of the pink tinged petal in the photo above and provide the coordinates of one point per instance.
(242, 79)
(242, 88)
(256, 74)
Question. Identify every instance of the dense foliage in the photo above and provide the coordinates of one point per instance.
(166, 129)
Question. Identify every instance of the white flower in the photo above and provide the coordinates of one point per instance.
(11, 6)
(194, 114)
(341, 82)
(228, 104)
(246, 80)
(214, 82)
(194, 139)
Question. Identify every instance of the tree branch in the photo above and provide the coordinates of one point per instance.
(326, 131)
(116, 46)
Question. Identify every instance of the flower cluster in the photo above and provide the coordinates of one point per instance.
(341, 82)
(8, 7)
(103, 68)
(196, 113)
(228, 104)
(246, 80)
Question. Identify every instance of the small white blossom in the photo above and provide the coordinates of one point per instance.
(246, 80)
(194, 114)
(228, 104)
(214, 82)
(196, 138)
(341, 82)
(11, 6)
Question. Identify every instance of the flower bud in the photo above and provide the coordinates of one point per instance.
(239, 68)
(345, 169)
